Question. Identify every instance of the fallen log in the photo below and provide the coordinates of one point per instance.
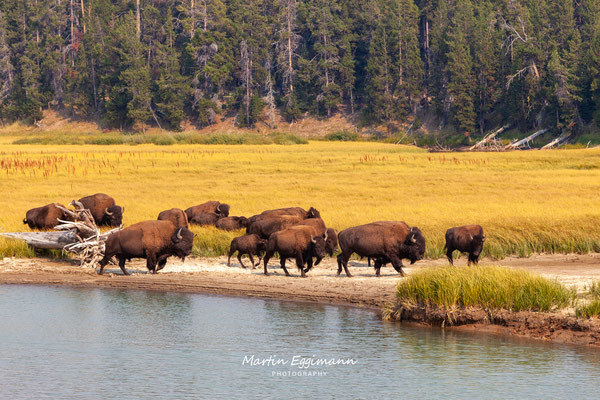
(519, 143)
(556, 141)
(489, 137)
(45, 240)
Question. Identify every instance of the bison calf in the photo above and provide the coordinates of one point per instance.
(466, 239)
(153, 240)
(247, 244)
(175, 215)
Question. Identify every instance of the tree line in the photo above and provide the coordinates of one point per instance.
(472, 64)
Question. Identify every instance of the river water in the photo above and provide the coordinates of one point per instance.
(60, 343)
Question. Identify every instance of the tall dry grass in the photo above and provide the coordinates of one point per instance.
(527, 202)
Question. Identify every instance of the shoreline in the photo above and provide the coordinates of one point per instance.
(323, 286)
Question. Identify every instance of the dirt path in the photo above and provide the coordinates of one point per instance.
(201, 275)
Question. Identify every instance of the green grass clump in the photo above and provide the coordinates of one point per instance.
(287, 138)
(588, 310)
(487, 287)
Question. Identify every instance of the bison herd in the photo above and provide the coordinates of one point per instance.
(291, 233)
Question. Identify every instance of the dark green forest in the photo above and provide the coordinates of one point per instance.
(472, 65)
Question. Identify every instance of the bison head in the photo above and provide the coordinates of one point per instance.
(243, 222)
(313, 213)
(183, 241)
(113, 216)
(318, 246)
(223, 210)
(331, 241)
(477, 244)
(414, 245)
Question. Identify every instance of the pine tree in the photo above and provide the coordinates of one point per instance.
(460, 69)
(6, 67)
(409, 66)
(287, 44)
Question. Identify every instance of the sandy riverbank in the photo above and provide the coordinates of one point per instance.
(213, 276)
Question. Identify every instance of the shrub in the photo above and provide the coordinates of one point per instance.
(342, 136)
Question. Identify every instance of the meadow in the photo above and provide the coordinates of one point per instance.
(528, 202)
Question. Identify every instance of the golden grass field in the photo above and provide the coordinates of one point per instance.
(527, 202)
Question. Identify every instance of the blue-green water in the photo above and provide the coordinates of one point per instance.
(60, 343)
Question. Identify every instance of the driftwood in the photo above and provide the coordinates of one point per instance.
(44, 240)
(556, 141)
(489, 138)
(81, 236)
(519, 143)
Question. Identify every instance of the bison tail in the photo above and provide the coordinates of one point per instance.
(25, 221)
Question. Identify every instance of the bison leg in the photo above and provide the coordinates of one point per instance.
(282, 262)
(151, 262)
(239, 257)
(251, 260)
(231, 251)
(343, 262)
(397, 264)
(268, 255)
(122, 265)
(161, 263)
(449, 255)
(369, 262)
(309, 264)
(300, 264)
(377, 266)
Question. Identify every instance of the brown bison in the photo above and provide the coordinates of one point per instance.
(103, 209)
(466, 239)
(319, 229)
(232, 223)
(205, 219)
(295, 211)
(213, 207)
(46, 217)
(252, 245)
(265, 227)
(295, 242)
(383, 240)
(175, 215)
(153, 240)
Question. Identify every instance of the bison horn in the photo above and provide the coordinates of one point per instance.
(483, 238)
(471, 237)
(312, 239)
(122, 210)
(413, 239)
(179, 234)
(325, 238)
(219, 208)
(107, 212)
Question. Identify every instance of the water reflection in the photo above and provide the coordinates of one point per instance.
(94, 344)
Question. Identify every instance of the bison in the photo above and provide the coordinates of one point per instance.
(46, 217)
(383, 240)
(247, 244)
(205, 219)
(265, 227)
(319, 229)
(232, 223)
(103, 209)
(153, 240)
(296, 242)
(466, 239)
(175, 215)
(212, 207)
(295, 211)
